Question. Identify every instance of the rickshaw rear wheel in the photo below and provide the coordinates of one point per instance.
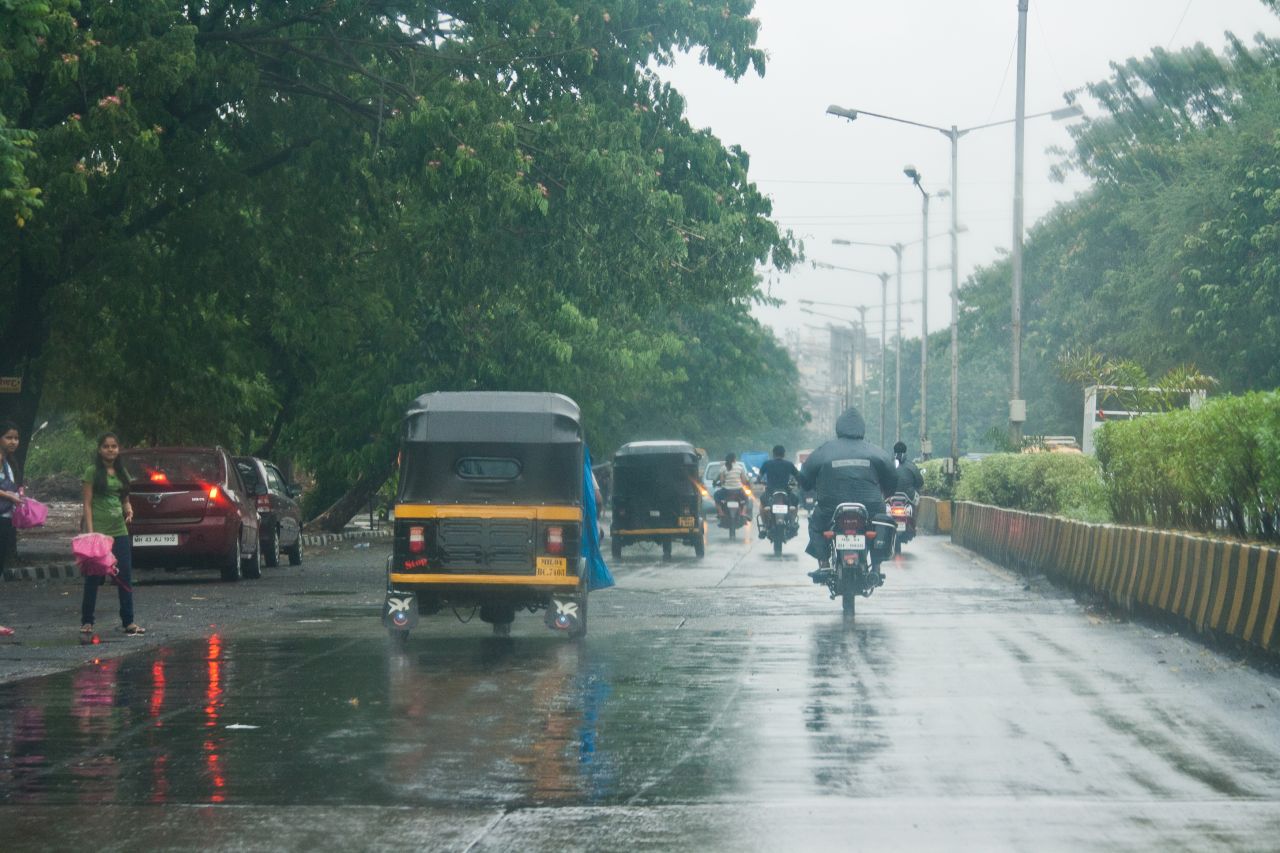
(700, 545)
(666, 549)
(615, 546)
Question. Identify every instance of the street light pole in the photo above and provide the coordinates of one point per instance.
(952, 464)
(925, 449)
(1018, 406)
(953, 134)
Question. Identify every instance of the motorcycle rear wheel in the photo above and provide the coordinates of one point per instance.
(848, 589)
(777, 547)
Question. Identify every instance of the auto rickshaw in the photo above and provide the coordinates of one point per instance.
(489, 511)
(657, 497)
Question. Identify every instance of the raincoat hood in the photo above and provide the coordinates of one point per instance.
(851, 425)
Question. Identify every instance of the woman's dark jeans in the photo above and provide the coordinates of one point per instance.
(122, 547)
(8, 541)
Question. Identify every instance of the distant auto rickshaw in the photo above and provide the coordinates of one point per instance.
(657, 497)
(489, 512)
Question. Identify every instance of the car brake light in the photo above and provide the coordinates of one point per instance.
(417, 540)
(264, 503)
(158, 477)
(214, 493)
(555, 540)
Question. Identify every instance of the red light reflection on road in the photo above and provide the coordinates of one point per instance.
(157, 691)
(213, 703)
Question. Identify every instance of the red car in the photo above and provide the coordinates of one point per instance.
(191, 508)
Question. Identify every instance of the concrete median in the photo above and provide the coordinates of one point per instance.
(1213, 585)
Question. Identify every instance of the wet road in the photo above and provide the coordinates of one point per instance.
(722, 704)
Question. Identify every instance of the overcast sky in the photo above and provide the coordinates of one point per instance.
(939, 62)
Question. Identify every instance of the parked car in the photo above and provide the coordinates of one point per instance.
(192, 509)
(280, 528)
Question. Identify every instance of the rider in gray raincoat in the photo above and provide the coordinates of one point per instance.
(847, 468)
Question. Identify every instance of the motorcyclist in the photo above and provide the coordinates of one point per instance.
(847, 468)
(732, 481)
(909, 479)
(777, 473)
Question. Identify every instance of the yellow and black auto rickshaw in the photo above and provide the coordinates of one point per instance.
(489, 512)
(657, 497)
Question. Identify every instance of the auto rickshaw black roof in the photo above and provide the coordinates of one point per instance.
(635, 450)
(533, 417)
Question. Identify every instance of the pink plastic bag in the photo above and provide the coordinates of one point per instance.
(29, 513)
(93, 554)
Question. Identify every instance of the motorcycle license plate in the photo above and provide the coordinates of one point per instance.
(555, 566)
(779, 509)
(902, 525)
(732, 504)
(846, 542)
(686, 521)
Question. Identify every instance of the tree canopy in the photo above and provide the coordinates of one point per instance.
(272, 225)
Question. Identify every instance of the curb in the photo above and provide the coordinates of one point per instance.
(68, 571)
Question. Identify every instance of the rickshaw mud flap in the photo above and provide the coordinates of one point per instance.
(566, 612)
(400, 611)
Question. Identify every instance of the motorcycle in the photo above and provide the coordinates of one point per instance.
(904, 516)
(733, 511)
(779, 520)
(857, 544)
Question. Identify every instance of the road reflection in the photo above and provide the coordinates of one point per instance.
(312, 721)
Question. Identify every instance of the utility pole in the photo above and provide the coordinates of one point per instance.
(1017, 405)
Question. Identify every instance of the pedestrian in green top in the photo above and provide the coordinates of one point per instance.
(107, 511)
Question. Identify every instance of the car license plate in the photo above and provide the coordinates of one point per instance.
(780, 509)
(142, 540)
(902, 525)
(557, 566)
(686, 521)
(732, 504)
(845, 542)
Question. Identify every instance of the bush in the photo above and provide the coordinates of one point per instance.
(1056, 483)
(61, 448)
(1213, 469)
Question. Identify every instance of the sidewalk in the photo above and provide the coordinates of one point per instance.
(44, 553)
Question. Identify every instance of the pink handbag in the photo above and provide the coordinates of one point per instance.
(93, 556)
(29, 513)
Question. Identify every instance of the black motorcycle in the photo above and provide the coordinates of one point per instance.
(779, 520)
(857, 546)
(733, 511)
(904, 516)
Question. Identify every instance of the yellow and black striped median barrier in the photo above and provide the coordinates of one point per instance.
(1216, 585)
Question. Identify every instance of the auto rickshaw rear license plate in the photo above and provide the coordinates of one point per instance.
(686, 521)
(552, 566)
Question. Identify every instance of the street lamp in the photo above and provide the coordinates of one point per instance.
(926, 449)
(953, 133)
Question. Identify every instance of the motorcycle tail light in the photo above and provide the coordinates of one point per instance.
(417, 540)
(555, 540)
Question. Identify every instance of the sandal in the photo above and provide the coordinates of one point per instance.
(133, 630)
(86, 628)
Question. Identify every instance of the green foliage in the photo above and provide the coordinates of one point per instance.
(63, 447)
(272, 225)
(1210, 469)
(1057, 483)
(937, 484)
(1169, 259)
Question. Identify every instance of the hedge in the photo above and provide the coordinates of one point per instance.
(1055, 483)
(1214, 469)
